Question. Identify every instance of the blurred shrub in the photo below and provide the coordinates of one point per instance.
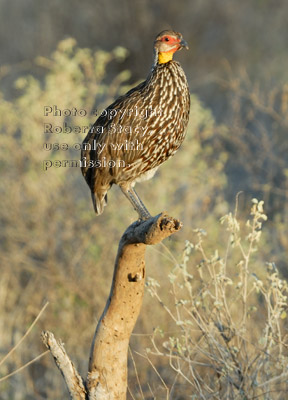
(255, 137)
(50, 242)
(52, 245)
(229, 329)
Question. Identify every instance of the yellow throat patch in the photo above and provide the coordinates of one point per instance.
(165, 57)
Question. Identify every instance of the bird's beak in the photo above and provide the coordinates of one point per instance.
(184, 44)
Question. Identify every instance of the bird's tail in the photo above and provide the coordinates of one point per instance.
(99, 201)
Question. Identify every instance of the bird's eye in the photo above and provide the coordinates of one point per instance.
(166, 39)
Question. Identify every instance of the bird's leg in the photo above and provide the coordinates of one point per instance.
(136, 202)
(145, 212)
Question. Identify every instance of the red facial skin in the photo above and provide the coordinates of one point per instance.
(171, 40)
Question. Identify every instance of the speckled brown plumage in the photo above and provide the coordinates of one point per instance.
(140, 130)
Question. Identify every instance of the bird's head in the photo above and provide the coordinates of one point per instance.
(166, 44)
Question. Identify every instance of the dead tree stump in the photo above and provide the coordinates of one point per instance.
(107, 373)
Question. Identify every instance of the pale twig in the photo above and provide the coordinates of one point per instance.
(151, 391)
(131, 394)
(26, 334)
(165, 307)
(74, 381)
(136, 373)
(172, 387)
(157, 373)
(179, 371)
(23, 366)
(272, 380)
(172, 257)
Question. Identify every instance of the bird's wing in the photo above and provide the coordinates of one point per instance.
(122, 128)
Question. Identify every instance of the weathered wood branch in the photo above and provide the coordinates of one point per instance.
(73, 380)
(107, 376)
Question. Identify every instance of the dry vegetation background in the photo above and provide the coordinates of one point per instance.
(213, 323)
